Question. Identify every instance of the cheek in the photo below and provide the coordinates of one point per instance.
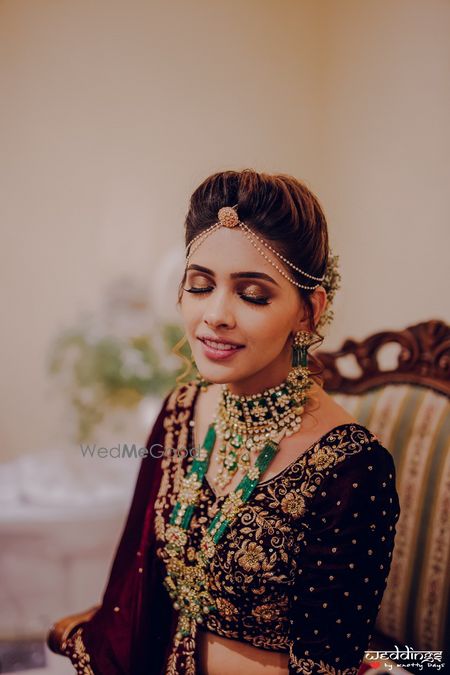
(267, 323)
(191, 314)
(265, 327)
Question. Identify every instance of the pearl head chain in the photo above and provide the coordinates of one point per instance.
(228, 217)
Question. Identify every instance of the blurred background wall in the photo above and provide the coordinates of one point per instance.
(112, 112)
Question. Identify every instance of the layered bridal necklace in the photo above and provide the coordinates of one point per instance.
(244, 424)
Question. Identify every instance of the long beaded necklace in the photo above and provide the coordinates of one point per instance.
(187, 585)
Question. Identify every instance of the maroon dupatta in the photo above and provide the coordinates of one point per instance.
(131, 633)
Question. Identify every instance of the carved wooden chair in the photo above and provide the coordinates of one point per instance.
(397, 383)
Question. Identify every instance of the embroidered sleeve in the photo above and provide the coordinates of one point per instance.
(343, 564)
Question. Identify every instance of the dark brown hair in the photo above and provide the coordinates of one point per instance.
(280, 209)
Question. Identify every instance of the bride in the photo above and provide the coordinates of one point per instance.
(262, 539)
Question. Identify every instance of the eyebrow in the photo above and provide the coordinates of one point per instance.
(236, 275)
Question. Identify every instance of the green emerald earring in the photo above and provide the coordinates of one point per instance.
(302, 341)
(299, 374)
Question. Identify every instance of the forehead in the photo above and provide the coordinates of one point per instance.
(229, 250)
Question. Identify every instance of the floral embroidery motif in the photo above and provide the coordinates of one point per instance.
(250, 556)
(226, 608)
(310, 667)
(323, 457)
(267, 612)
(294, 504)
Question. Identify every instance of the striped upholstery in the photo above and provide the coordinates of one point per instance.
(413, 422)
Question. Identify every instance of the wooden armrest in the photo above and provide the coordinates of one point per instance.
(62, 629)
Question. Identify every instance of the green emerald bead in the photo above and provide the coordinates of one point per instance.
(210, 438)
(220, 523)
(303, 356)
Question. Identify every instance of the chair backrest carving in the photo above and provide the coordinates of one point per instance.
(423, 358)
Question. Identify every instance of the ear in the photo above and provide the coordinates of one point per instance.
(319, 301)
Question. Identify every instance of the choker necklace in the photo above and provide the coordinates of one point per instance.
(244, 423)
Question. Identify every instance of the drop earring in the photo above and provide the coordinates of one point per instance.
(299, 375)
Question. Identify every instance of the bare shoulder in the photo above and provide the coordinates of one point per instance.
(321, 417)
(331, 411)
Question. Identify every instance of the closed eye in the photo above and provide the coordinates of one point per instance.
(254, 299)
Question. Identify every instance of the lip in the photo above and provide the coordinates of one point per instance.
(214, 338)
(219, 354)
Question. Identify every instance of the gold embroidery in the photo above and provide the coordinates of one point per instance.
(267, 612)
(294, 504)
(182, 656)
(250, 556)
(226, 608)
(309, 666)
(74, 648)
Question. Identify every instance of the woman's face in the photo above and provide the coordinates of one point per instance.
(231, 293)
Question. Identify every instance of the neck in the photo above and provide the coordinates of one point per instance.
(262, 380)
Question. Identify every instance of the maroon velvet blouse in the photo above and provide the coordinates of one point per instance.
(301, 570)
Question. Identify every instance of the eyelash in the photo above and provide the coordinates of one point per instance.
(254, 301)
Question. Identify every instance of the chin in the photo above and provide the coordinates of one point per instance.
(218, 374)
(215, 375)
(223, 375)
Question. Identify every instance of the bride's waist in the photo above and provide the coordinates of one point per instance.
(218, 655)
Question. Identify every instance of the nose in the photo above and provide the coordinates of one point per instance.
(218, 310)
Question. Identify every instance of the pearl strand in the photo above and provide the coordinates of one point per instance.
(277, 267)
(288, 262)
(202, 236)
